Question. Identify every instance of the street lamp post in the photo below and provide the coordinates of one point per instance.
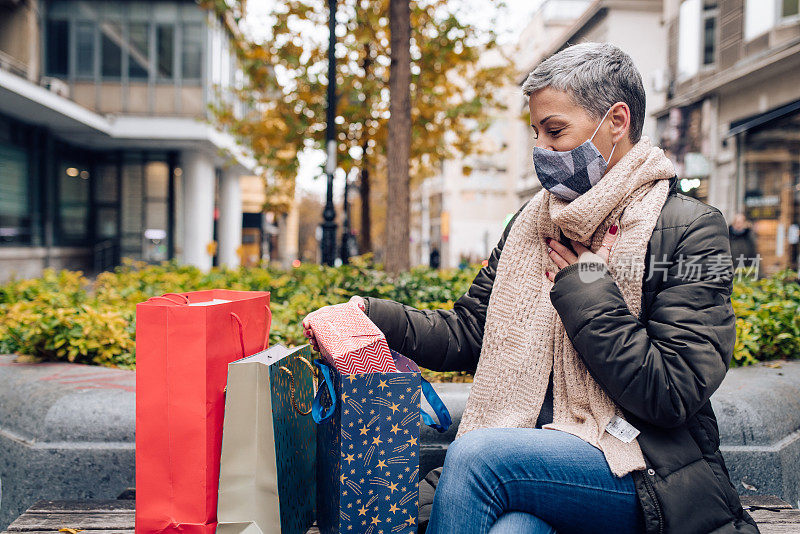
(329, 213)
(344, 252)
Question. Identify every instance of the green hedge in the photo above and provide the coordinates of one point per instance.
(64, 316)
(767, 318)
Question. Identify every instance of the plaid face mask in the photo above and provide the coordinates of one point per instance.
(571, 173)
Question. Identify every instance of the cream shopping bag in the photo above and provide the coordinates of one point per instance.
(267, 480)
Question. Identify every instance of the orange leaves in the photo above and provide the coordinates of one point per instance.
(453, 96)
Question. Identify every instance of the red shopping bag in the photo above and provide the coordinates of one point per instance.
(184, 343)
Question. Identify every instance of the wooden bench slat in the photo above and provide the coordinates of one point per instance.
(783, 528)
(117, 516)
(765, 517)
(103, 521)
(82, 507)
(768, 501)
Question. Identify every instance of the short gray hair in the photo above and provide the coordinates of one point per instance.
(597, 76)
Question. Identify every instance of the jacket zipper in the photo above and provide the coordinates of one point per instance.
(652, 494)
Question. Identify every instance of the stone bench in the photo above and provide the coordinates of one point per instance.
(773, 515)
(67, 431)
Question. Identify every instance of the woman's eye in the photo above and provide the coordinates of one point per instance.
(555, 133)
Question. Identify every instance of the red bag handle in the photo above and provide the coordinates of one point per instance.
(241, 331)
(164, 296)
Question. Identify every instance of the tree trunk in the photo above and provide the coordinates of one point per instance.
(365, 235)
(399, 143)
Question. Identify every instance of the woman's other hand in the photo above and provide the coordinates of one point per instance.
(356, 300)
(563, 257)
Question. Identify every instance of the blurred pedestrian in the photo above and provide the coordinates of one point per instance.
(743, 242)
(435, 258)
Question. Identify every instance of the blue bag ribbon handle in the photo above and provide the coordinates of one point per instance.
(438, 406)
(316, 406)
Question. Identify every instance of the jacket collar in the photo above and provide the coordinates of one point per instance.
(673, 186)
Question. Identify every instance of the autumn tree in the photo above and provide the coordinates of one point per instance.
(452, 96)
(399, 150)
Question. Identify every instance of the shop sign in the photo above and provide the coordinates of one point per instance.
(762, 207)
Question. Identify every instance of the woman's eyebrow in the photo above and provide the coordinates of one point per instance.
(544, 120)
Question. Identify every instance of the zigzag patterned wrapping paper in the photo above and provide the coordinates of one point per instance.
(349, 341)
(368, 455)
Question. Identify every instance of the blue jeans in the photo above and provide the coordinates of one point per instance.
(530, 481)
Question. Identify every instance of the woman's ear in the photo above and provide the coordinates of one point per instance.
(620, 119)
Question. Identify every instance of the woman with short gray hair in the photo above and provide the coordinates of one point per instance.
(595, 346)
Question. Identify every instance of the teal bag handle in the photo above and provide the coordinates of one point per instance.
(438, 406)
(319, 413)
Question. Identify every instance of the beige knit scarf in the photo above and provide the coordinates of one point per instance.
(524, 339)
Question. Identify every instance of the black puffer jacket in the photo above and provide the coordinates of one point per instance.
(660, 368)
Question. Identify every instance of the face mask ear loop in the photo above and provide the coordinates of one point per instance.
(599, 125)
(597, 130)
(613, 147)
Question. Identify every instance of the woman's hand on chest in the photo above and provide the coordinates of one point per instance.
(564, 257)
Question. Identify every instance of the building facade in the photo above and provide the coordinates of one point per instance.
(105, 148)
(458, 216)
(732, 118)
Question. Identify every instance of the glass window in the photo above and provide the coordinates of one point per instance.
(111, 60)
(106, 183)
(106, 223)
(132, 202)
(771, 165)
(689, 20)
(190, 13)
(790, 8)
(192, 51)
(157, 180)
(132, 198)
(164, 12)
(15, 222)
(58, 47)
(709, 35)
(138, 51)
(140, 11)
(759, 17)
(73, 202)
(60, 9)
(84, 40)
(83, 10)
(156, 215)
(165, 45)
(110, 10)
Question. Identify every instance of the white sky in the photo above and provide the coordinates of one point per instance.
(510, 24)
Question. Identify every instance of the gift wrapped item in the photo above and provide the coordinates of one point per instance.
(368, 448)
(349, 341)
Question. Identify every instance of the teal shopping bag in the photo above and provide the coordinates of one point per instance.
(268, 461)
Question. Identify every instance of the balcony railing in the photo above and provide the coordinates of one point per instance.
(13, 65)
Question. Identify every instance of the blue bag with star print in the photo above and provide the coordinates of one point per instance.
(368, 448)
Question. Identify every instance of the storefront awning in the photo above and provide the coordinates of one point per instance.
(749, 123)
